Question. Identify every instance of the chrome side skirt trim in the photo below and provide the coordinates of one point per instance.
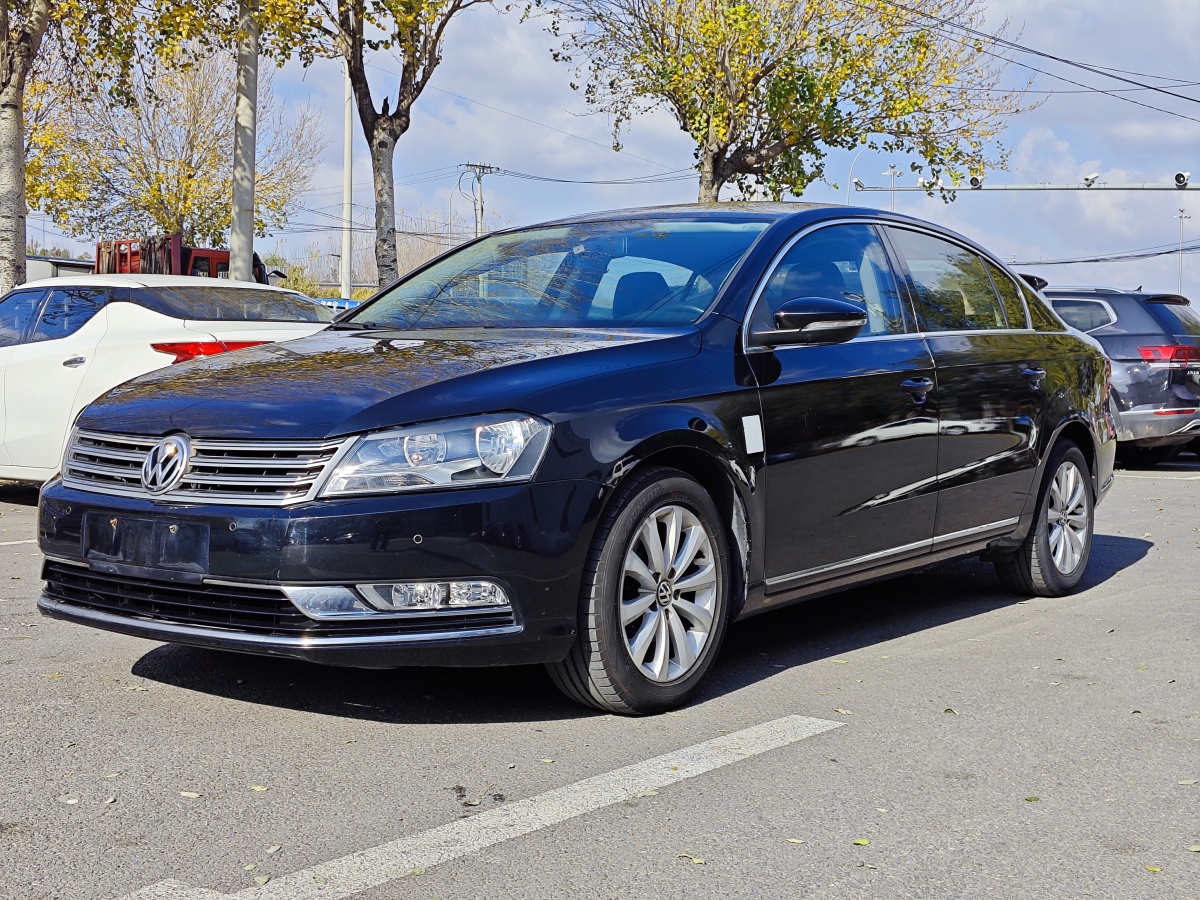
(978, 530)
(848, 563)
(894, 551)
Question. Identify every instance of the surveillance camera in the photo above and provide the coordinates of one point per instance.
(858, 185)
(1089, 180)
(976, 182)
(1181, 179)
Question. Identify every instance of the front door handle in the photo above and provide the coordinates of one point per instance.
(918, 387)
(74, 362)
(1035, 374)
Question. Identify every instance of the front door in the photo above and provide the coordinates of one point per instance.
(850, 435)
(43, 375)
(989, 383)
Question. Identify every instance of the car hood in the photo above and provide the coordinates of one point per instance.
(341, 382)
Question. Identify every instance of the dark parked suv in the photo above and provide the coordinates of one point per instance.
(593, 444)
(1153, 341)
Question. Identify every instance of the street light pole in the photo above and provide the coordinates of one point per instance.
(895, 173)
(1181, 217)
(850, 177)
(345, 273)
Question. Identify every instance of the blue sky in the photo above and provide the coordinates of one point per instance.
(495, 60)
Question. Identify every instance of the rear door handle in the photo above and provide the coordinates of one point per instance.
(918, 387)
(74, 362)
(1034, 373)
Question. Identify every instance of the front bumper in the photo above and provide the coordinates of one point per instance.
(532, 538)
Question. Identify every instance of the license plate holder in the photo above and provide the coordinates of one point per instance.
(129, 545)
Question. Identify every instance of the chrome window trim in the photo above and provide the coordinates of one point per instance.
(778, 258)
(1112, 313)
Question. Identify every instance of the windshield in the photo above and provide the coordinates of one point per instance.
(232, 304)
(635, 272)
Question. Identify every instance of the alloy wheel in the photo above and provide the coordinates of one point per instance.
(1067, 517)
(669, 593)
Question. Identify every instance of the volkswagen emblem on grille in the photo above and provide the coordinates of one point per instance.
(166, 464)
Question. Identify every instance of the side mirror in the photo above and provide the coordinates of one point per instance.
(812, 320)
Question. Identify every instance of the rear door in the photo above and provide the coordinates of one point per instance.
(990, 396)
(43, 375)
(18, 311)
(850, 438)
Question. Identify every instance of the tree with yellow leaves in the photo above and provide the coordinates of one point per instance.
(767, 87)
(160, 163)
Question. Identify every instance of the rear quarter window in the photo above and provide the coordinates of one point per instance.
(1086, 315)
(218, 303)
(1040, 314)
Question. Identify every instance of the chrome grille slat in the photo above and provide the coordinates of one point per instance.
(240, 473)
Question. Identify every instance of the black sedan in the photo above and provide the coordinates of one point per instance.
(593, 444)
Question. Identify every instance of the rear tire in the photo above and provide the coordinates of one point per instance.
(1052, 560)
(654, 601)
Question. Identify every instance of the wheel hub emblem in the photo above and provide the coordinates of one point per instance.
(665, 592)
(166, 464)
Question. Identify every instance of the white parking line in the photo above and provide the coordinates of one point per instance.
(379, 865)
(14, 543)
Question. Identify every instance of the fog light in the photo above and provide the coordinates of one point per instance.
(419, 596)
(327, 602)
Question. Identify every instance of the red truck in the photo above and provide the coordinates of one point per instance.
(165, 254)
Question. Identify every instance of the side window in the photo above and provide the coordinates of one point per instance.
(66, 311)
(16, 311)
(1009, 296)
(952, 288)
(200, 267)
(843, 262)
(1085, 315)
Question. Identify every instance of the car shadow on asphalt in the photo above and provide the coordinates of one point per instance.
(19, 493)
(754, 650)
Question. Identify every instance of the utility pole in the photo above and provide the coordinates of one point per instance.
(347, 188)
(478, 170)
(895, 173)
(1181, 217)
(241, 226)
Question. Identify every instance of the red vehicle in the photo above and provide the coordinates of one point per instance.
(165, 255)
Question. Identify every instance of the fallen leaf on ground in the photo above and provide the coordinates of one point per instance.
(1032, 799)
(1195, 848)
(112, 775)
(867, 865)
(546, 759)
(861, 842)
(418, 871)
(1189, 781)
(70, 801)
(844, 712)
(250, 867)
(648, 794)
(951, 710)
(54, 675)
(257, 787)
(842, 662)
(696, 859)
(795, 841)
(1142, 668)
(880, 809)
(261, 879)
(1153, 868)
(512, 765)
(274, 849)
(191, 795)
(110, 800)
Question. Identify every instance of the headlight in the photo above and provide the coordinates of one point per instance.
(500, 448)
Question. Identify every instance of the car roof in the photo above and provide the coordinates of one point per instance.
(142, 281)
(750, 210)
(1107, 293)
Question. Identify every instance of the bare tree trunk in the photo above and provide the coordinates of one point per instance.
(12, 184)
(383, 151)
(712, 173)
(245, 129)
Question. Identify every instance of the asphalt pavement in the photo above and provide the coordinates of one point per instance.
(986, 745)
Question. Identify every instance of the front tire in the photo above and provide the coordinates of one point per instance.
(1054, 556)
(655, 598)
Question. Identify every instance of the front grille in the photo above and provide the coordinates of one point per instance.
(259, 473)
(248, 609)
